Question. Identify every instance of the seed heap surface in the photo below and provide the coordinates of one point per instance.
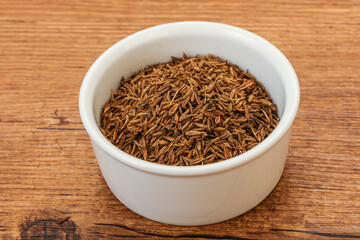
(189, 111)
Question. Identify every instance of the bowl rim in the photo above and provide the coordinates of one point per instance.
(291, 88)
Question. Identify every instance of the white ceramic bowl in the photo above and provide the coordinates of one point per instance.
(193, 195)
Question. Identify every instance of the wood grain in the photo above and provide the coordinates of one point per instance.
(47, 167)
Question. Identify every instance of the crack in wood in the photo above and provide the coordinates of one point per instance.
(123, 236)
(69, 129)
(317, 233)
(62, 120)
(206, 236)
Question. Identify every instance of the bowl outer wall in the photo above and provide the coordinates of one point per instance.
(195, 200)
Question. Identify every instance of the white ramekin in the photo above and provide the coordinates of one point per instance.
(194, 195)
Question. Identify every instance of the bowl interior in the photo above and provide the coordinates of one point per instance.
(158, 46)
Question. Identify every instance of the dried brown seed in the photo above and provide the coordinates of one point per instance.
(195, 133)
(173, 109)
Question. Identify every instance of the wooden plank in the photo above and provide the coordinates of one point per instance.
(47, 168)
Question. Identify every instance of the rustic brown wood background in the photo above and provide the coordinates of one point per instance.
(47, 166)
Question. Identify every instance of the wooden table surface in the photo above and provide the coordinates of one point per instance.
(48, 171)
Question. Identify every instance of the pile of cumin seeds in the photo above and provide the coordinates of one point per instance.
(189, 111)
